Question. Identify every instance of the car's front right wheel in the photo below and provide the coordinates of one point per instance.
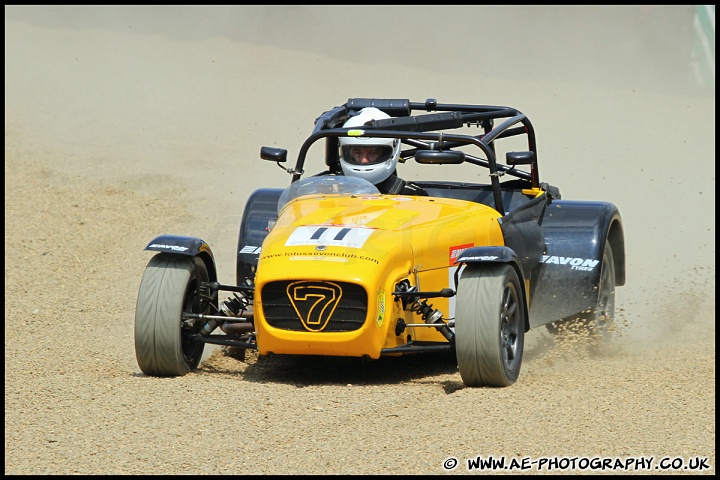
(489, 325)
(163, 340)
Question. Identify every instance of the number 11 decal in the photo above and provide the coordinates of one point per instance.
(352, 237)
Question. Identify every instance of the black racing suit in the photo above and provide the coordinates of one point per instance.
(395, 185)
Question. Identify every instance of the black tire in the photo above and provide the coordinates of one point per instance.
(489, 326)
(260, 209)
(600, 321)
(597, 321)
(168, 289)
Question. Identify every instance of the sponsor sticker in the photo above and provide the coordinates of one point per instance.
(575, 263)
(457, 250)
(250, 249)
(380, 307)
(174, 248)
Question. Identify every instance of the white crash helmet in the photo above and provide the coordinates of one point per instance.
(385, 165)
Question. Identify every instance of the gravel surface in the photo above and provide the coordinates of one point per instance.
(115, 134)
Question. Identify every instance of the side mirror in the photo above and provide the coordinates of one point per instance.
(520, 158)
(278, 155)
(439, 157)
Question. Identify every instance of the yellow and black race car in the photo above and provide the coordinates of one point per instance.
(337, 264)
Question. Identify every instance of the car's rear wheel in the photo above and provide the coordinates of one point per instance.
(489, 326)
(601, 319)
(597, 321)
(162, 339)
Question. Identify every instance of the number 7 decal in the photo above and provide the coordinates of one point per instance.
(314, 302)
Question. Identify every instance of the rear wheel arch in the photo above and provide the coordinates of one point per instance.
(616, 238)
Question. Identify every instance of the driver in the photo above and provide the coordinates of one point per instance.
(374, 159)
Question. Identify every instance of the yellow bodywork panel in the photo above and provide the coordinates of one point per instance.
(321, 244)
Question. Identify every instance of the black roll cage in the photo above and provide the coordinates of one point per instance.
(427, 132)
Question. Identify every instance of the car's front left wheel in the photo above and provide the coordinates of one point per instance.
(489, 325)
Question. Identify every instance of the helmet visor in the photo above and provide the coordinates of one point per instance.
(366, 154)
